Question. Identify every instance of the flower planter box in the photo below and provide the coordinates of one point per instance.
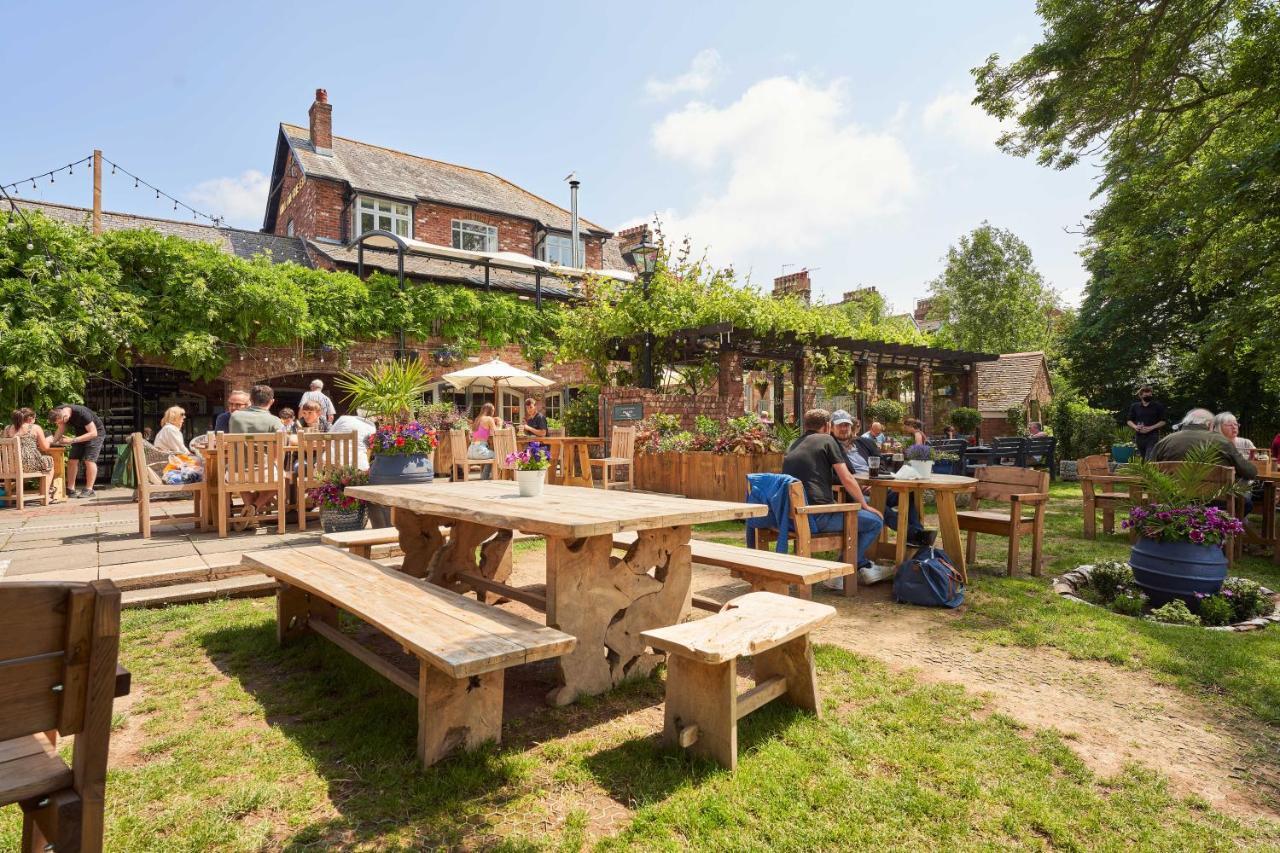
(1169, 570)
(701, 474)
(1122, 454)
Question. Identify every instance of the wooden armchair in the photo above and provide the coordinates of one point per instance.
(251, 464)
(461, 465)
(1222, 475)
(13, 478)
(1098, 486)
(807, 542)
(58, 675)
(504, 444)
(1019, 487)
(149, 484)
(316, 452)
(622, 451)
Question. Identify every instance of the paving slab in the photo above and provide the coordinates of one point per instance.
(138, 555)
(44, 560)
(111, 542)
(62, 576)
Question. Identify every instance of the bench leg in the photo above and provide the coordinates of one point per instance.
(793, 660)
(295, 608)
(703, 695)
(55, 825)
(420, 540)
(1090, 520)
(456, 713)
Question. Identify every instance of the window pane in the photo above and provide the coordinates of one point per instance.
(366, 222)
(402, 227)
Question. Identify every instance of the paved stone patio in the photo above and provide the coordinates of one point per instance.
(99, 538)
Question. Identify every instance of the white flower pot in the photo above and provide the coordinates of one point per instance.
(531, 482)
(923, 467)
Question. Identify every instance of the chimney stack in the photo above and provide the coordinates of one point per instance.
(796, 284)
(321, 115)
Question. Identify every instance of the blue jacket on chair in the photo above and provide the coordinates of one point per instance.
(772, 490)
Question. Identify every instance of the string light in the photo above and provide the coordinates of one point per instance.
(70, 168)
(139, 182)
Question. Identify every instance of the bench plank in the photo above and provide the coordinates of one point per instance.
(787, 568)
(457, 635)
(30, 767)
(751, 624)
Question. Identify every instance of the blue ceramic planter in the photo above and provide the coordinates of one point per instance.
(1122, 454)
(1169, 570)
(401, 469)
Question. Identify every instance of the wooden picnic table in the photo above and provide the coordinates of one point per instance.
(573, 455)
(603, 600)
(945, 487)
(1270, 534)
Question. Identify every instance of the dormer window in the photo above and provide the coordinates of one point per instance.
(474, 236)
(558, 249)
(380, 215)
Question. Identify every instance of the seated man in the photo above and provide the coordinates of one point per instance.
(818, 461)
(1195, 431)
(843, 429)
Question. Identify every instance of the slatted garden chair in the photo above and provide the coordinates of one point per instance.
(251, 464)
(1019, 488)
(622, 451)
(147, 473)
(504, 443)
(13, 478)
(461, 466)
(1098, 487)
(318, 451)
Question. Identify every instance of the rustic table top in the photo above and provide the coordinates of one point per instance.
(935, 482)
(563, 439)
(564, 511)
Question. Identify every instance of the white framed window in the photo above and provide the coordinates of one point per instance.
(474, 236)
(288, 228)
(553, 406)
(512, 407)
(558, 249)
(378, 214)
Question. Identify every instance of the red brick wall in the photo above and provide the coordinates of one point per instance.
(686, 406)
(316, 209)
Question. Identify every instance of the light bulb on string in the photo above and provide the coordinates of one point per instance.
(51, 177)
(135, 183)
(71, 168)
(113, 168)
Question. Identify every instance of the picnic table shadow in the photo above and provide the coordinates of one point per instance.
(361, 732)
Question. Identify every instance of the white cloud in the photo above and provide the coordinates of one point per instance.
(786, 170)
(241, 200)
(702, 72)
(954, 115)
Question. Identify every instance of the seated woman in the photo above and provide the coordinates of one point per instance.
(481, 430)
(33, 443)
(915, 429)
(170, 439)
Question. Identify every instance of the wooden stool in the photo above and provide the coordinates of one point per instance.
(703, 705)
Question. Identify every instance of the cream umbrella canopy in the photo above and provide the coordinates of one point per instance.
(495, 372)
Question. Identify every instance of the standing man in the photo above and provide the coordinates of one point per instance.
(535, 422)
(317, 395)
(87, 445)
(1146, 416)
(236, 401)
(818, 461)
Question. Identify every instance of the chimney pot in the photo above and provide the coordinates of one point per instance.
(322, 96)
(321, 116)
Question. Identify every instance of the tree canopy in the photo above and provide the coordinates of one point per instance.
(991, 298)
(1179, 99)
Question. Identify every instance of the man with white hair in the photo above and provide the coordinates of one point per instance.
(316, 395)
(1195, 431)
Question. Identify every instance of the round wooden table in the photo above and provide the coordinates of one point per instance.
(944, 487)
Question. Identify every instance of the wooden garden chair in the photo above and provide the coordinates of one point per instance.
(13, 478)
(461, 465)
(1018, 487)
(318, 451)
(1099, 489)
(504, 443)
(622, 451)
(150, 484)
(807, 543)
(1221, 475)
(251, 464)
(59, 644)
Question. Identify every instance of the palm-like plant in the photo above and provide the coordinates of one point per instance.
(389, 390)
(1187, 484)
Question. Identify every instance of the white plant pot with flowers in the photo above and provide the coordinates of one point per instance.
(920, 458)
(531, 466)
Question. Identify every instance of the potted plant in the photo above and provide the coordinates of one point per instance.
(886, 410)
(446, 355)
(531, 466)
(966, 420)
(1122, 451)
(920, 457)
(400, 449)
(1179, 548)
(339, 511)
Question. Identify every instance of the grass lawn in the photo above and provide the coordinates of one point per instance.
(236, 744)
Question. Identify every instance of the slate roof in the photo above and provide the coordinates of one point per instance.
(1009, 380)
(233, 241)
(395, 174)
(435, 269)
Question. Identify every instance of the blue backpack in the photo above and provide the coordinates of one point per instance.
(929, 579)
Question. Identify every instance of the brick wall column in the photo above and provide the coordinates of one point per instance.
(729, 381)
(924, 387)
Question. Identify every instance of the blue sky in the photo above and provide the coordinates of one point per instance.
(835, 136)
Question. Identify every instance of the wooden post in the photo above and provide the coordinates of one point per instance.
(97, 191)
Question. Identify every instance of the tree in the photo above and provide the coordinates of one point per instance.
(990, 297)
(1179, 97)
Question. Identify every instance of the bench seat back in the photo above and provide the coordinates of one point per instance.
(457, 635)
(749, 624)
(1001, 482)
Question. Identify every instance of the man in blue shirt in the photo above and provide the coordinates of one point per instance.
(236, 401)
(844, 427)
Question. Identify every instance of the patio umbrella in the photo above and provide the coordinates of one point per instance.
(491, 373)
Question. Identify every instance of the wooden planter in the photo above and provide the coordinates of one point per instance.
(703, 475)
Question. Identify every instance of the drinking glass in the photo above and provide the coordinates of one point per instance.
(873, 464)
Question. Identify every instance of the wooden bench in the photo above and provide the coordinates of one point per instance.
(58, 676)
(703, 704)
(362, 542)
(766, 571)
(1019, 488)
(462, 646)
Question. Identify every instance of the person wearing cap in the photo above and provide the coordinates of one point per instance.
(844, 427)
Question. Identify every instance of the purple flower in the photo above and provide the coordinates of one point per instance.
(1196, 535)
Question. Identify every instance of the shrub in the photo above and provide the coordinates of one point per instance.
(1246, 598)
(582, 415)
(1130, 602)
(1082, 430)
(704, 425)
(884, 410)
(965, 419)
(1109, 578)
(1175, 613)
(1215, 610)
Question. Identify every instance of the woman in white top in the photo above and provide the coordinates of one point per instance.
(169, 439)
(1226, 423)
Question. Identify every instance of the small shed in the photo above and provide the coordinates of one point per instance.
(1015, 380)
